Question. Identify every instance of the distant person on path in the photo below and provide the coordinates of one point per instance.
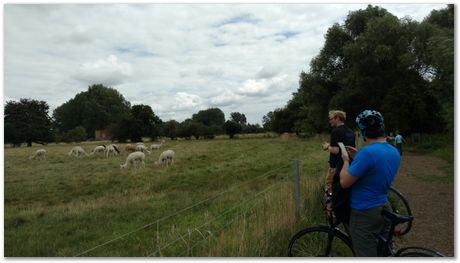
(340, 133)
(391, 138)
(399, 142)
(369, 176)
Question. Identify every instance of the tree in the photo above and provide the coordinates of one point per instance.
(252, 128)
(27, 121)
(267, 121)
(232, 128)
(127, 127)
(77, 134)
(93, 109)
(209, 117)
(171, 129)
(149, 122)
(439, 58)
(238, 118)
(376, 61)
(185, 129)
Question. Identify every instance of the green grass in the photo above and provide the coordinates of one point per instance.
(63, 206)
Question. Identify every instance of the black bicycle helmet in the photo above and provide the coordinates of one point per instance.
(369, 119)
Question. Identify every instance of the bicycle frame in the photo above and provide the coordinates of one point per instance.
(333, 227)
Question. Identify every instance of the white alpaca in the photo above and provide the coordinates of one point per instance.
(156, 146)
(133, 159)
(166, 158)
(111, 150)
(142, 148)
(40, 154)
(98, 150)
(77, 151)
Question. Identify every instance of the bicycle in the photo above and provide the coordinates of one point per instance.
(400, 205)
(329, 240)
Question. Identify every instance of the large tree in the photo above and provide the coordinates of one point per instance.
(150, 123)
(27, 121)
(93, 109)
(438, 28)
(238, 118)
(376, 61)
(209, 117)
(232, 128)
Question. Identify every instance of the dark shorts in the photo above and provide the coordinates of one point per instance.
(399, 147)
(364, 226)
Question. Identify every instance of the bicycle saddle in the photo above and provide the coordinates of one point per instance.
(397, 218)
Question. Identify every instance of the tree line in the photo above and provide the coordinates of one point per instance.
(373, 60)
(104, 108)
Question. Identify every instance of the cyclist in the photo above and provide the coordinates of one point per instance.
(369, 176)
(340, 133)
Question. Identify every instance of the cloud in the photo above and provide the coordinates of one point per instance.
(239, 19)
(262, 87)
(211, 72)
(177, 58)
(225, 98)
(267, 72)
(108, 72)
(186, 101)
(78, 35)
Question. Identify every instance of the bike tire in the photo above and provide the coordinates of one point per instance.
(312, 242)
(418, 252)
(400, 205)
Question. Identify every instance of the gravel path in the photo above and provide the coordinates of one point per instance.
(432, 203)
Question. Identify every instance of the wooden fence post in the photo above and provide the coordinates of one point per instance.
(296, 175)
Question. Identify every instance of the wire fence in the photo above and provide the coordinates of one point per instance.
(196, 228)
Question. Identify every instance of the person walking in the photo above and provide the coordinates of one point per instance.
(369, 176)
(399, 142)
(340, 133)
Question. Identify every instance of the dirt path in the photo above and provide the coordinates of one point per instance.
(432, 203)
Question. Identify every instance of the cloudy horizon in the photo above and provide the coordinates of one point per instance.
(176, 58)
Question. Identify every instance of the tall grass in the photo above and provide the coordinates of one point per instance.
(238, 195)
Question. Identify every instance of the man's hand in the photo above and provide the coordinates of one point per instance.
(352, 151)
(325, 146)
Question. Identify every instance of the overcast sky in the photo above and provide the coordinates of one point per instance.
(176, 58)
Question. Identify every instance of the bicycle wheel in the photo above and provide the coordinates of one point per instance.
(400, 205)
(317, 242)
(417, 252)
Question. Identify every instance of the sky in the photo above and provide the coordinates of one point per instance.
(176, 58)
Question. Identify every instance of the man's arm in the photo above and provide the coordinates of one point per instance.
(332, 149)
(346, 179)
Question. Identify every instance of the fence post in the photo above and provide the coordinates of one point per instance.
(296, 175)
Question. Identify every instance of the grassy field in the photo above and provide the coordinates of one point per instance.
(221, 198)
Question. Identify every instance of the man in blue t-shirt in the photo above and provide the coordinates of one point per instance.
(369, 176)
(399, 141)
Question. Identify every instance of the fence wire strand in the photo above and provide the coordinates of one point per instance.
(220, 216)
(179, 211)
(235, 219)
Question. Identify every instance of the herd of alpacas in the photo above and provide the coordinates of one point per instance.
(135, 157)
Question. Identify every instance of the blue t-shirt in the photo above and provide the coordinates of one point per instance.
(376, 166)
(398, 139)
